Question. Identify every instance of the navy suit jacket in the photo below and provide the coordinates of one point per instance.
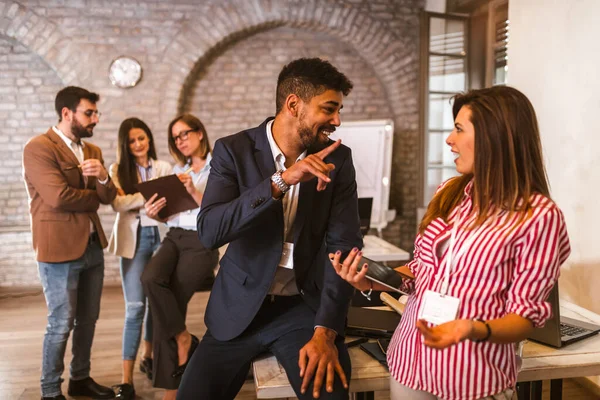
(237, 208)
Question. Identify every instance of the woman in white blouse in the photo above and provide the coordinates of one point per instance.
(182, 264)
(134, 239)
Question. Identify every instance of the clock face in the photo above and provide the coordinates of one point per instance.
(125, 72)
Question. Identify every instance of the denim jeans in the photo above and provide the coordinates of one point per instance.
(135, 299)
(72, 290)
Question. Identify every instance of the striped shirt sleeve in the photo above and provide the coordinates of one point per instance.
(539, 254)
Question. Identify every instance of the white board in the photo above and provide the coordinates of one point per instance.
(371, 144)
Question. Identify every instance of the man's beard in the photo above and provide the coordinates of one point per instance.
(79, 131)
(306, 136)
(314, 142)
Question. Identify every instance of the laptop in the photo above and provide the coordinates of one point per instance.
(371, 323)
(560, 331)
(365, 207)
(375, 350)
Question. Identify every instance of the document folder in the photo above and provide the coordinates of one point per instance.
(170, 187)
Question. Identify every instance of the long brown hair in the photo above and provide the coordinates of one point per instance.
(128, 175)
(508, 165)
(195, 124)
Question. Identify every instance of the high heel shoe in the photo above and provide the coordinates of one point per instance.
(181, 369)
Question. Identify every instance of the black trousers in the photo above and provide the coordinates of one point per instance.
(218, 369)
(170, 279)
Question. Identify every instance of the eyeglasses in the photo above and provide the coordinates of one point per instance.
(89, 113)
(183, 136)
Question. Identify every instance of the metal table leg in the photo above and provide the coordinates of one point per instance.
(364, 396)
(524, 390)
(556, 389)
(536, 390)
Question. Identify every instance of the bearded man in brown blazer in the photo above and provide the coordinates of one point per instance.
(66, 182)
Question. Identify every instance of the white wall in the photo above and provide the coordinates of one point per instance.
(554, 59)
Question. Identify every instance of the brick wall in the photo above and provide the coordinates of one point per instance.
(237, 90)
(27, 87)
(191, 52)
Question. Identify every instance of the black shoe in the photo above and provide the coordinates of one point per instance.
(87, 387)
(146, 367)
(125, 391)
(59, 397)
(181, 369)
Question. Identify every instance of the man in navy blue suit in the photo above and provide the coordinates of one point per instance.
(283, 195)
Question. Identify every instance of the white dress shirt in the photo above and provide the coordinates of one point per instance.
(284, 283)
(200, 179)
(77, 149)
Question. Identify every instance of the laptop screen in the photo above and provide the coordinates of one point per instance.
(365, 206)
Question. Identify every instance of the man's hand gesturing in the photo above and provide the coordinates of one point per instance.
(312, 166)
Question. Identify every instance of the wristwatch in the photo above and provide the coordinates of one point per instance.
(279, 182)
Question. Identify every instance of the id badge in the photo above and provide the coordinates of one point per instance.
(437, 308)
(287, 256)
(147, 221)
(187, 219)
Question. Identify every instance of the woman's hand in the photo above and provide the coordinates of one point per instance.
(120, 192)
(153, 207)
(188, 182)
(348, 269)
(446, 334)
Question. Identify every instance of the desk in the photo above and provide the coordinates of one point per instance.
(539, 363)
(379, 250)
(546, 363)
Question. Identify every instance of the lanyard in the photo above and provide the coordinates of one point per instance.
(451, 259)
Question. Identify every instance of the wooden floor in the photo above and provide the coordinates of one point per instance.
(22, 325)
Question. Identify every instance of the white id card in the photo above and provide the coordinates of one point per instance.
(287, 256)
(147, 221)
(437, 308)
(187, 219)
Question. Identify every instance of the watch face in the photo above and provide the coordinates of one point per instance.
(125, 72)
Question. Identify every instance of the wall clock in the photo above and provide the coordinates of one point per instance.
(125, 72)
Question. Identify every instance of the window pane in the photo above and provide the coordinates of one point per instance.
(500, 46)
(446, 74)
(440, 112)
(439, 152)
(435, 176)
(501, 75)
(447, 36)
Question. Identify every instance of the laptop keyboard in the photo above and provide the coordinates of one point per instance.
(570, 330)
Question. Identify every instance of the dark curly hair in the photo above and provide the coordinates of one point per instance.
(307, 78)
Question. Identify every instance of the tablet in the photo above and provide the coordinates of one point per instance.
(382, 274)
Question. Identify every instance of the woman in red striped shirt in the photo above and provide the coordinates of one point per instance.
(486, 256)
